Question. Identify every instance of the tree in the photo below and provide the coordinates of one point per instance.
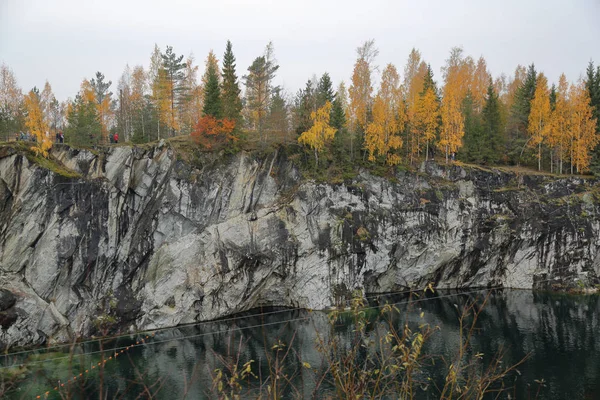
(192, 98)
(338, 121)
(259, 88)
(520, 108)
(583, 132)
(83, 122)
(232, 103)
(414, 75)
(320, 133)
(36, 123)
(325, 91)
(426, 119)
(338, 109)
(480, 82)
(452, 124)
(138, 90)
(277, 120)
(539, 116)
(173, 67)
(558, 138)
(304, 105)
(474, 139)
(361, 89)
(103, 102)
(457, 75)
(592, 85)
(382, 135)
(124, 110)
(491, 143)
(212, 90)
(11, 102)
(160, 92)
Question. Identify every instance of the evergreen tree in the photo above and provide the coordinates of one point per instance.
(304, 105)
(592, 85)
(338, 116)
(277, 121)
(472, 151)
(553, 97)
(325, 91)
(259, 89)
(428, 82)
(519, 116)
(84, 128)
(492, 145)
(231, 101)
(212, 93)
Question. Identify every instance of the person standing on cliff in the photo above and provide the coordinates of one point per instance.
(116, 138)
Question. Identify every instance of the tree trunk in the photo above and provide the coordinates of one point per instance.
(540, 156)
(427, 151)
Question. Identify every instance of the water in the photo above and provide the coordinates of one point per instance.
(558, 333)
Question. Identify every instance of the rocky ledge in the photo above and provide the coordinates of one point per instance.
(127, 238)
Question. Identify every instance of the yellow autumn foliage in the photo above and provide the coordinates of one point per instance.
(320, 133)
(36, 124)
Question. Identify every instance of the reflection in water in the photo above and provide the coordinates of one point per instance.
(557, 331)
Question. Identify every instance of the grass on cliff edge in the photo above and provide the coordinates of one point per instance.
(50, 163)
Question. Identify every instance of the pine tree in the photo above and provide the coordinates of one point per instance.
(212, 91)
(173, 65)
(231, 101)
(103, 101)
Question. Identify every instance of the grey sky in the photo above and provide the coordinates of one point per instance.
(66, 41)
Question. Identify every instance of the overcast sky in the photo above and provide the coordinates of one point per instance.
(65, 41)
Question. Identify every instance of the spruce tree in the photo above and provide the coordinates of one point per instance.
(519, 115)
(212, 94)
(428, 82)
(492, 145)
(553, 97)
(231, 101)
(592, 84)
(325, 91)
(472, 140)
(338, 116)
(305, 104)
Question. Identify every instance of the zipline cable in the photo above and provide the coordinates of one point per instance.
(112, 350)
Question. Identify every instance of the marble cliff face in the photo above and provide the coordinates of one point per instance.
(140, 239)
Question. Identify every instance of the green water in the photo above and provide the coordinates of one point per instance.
(558, 333)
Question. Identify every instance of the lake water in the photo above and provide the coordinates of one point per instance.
(559, 334)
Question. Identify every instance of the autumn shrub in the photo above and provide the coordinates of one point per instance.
(213, 133)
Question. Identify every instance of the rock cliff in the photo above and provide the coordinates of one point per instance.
(138, 238)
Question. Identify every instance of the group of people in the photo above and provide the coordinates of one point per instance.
(114, 138)
(26, 136)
